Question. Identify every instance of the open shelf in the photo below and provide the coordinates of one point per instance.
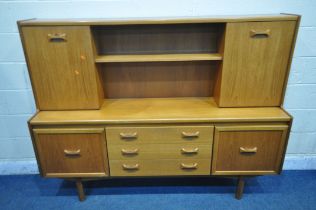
(158, 39)
(158, 61)
(159, 57)
(158, 79)
(159, 110)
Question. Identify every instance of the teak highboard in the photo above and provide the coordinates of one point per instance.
(160, 97)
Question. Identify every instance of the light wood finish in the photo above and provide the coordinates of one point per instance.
(160, 167)
(254, 68)
(158, 79)
(62, 69)
(30, 129)
(160, 57)
(125, 21)
(218, 76)
(160, 151)
(157, 39)
(240, 187)
(298, 21)
(87, 150)
(164, 110)
(286, 140)
(267, 141)
(80, 190)
(159, 135)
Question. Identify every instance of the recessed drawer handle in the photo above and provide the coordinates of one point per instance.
(259, 34)
(130, 167)
(129, 151)
(248, 150)
(128, 135)
(190, 151)
(190, 134)
(72, 152)
(189, 166)
(58, 37)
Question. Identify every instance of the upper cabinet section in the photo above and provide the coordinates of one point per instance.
(256, 59)
(62, 68)
(241, 61)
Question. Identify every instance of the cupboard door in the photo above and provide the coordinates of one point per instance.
(72, 152)
(61, 67)
(248, 150)
(255, 62)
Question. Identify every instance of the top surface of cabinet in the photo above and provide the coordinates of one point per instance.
(156, 110)
(161, 20)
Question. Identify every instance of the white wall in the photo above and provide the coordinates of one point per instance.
(16, 99)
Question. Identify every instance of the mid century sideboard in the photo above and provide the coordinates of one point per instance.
(160, 97)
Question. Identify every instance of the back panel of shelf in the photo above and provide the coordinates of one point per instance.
(157, 39)
(158, 79)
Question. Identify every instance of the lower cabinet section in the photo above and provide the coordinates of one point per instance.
(175, 150)
(159, 167)
(248, 150)
(72, 152)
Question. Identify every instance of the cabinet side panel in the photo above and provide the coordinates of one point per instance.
(291, 57)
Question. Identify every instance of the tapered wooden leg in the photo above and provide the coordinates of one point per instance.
(240, 187)
(80, 190)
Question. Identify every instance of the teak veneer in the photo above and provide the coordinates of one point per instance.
(160, 97)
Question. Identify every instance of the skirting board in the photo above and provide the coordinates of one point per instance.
(15, 167)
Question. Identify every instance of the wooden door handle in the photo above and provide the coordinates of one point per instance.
(190, 151)
(72, 152)
(57, 37)
(260, 33)
(130, 167)
(129, 151)
(189, 166)
(128, 135)
(248, 150)
(190, 134)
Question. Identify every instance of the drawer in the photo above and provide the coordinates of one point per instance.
(159, 167)
(248, 150)
(159, 135)
(71, 152)
(161, 151)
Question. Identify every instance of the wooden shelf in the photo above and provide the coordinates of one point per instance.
(159, 57)
(161, 110)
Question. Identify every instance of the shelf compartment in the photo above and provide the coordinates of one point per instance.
(158, 79)
(158, 39)
(160, 57)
